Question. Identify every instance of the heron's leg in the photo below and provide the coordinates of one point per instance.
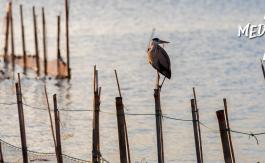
(157, 80)
(160, 86)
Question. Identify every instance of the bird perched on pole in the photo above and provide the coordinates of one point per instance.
(159, 58)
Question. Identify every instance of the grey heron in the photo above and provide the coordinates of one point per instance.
(159, 58)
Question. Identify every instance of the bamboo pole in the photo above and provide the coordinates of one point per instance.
(23, 40)
(7, 35)
(36, 41)
(12, 37)
(51, 122)
(67, 38)
(96, 155)
(228, 130)
(44, 41)
(224, 136)
(58, 47)
(21, 123)
(57, 130)
(199, 126)
(195, 122)
(1, 154)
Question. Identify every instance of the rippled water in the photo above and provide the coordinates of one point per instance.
(205, 53)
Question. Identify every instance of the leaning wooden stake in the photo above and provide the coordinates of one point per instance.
(21, 123)
(224, 136)
(58, 48)
(36, 41)
(228, 130)
(67, 38)
(125, 156)
(1, 154)
(196, 124)
(262, 67)
(7, 35)
(96, 155)
(199, 126)
(23, 40)
(159, 130)
(44, 41)
(12, 37)
(57, 130)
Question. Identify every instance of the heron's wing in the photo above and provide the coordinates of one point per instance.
(163, 63)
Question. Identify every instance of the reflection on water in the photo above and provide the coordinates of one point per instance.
(205, 53)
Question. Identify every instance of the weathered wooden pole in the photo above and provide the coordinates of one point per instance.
(159, 129)
(195, 121)
(44, 41)
(224, 136)
(58, 48)
(96, 155)
(21, 123)
(199, 126)
(36, 41)
(262, 67)
(7, 34)
(121, 131)
(67, 38)
(12, 37)
(1, 154)
(23, 40)
(57, 130)
(228, 130)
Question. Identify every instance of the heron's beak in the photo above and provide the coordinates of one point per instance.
(163, 42)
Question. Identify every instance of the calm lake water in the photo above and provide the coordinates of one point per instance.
(205, 53)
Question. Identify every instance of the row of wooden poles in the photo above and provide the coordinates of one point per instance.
(222, 116)
(9, 32)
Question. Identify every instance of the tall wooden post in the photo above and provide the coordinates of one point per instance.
(58, 48)
(12, 37)
(44, 41)
(23, 40)
(224, 136)
(228, 130)
(1, 154)
(36, 41)
(67, 38)
(96, 155)
(57, 130)
(121, 131)
(7, 34)
(21, 123)
(159, 131)
(196, 124)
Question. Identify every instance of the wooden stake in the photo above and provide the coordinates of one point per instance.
(23, 41)
(199, 126)
(67, 38)
(224, 136)
(228, 130)
(159, 131)
(21, 123)
(196, 131)
(12, 37)
(58, 48)
(51, 122)
(57, 130)
(36, 41)
(96, 155)
(7, 35)
(124, 157)
(44, 41)
(1, 154)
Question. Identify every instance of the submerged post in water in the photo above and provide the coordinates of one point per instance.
(67, 38)
(44, 40)
(36, 41)
(7, 35)
(23, 40)
(12, 37)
